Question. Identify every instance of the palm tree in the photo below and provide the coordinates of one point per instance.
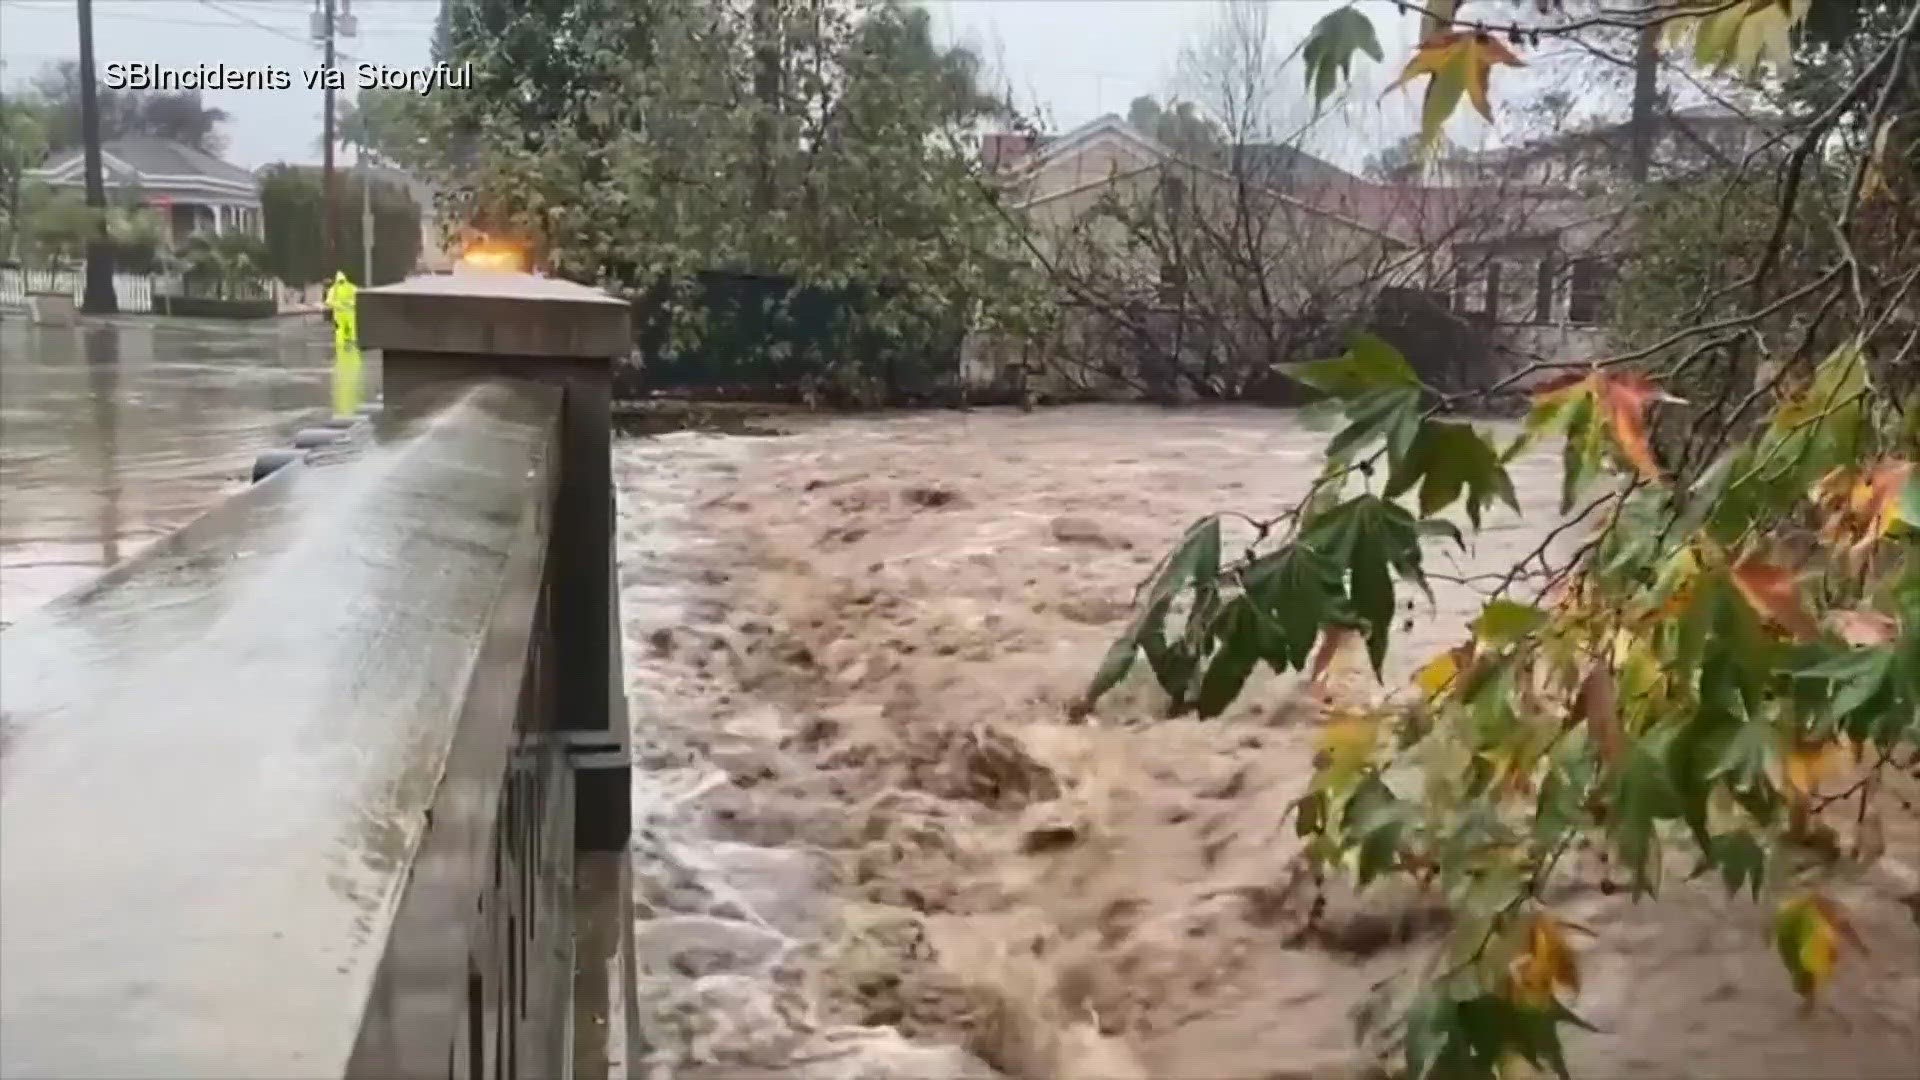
(226, 262)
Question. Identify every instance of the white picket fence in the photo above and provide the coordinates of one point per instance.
(133, 291)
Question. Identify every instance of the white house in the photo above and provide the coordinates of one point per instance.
(195, 190)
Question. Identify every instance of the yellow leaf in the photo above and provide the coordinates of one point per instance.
(1774, 592)
(1807, 764)
(1546, 964)
(1454, 62)
(1764, 38)
(1808, 931)
(1714, 34)
(1437, 674)
(1640, 672)
(1347, 742)
(1743, 36)
(1428, 59)
(1485, 51)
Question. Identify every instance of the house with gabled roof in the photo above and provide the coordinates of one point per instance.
(1526, 258)
(195, 191)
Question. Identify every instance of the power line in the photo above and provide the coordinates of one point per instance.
(290, 36)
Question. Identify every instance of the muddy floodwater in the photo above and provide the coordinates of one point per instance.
(871, 843)
(117, 432)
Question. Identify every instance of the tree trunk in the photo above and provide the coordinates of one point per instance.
(98, 299)
(1646, 99)
(766, 92)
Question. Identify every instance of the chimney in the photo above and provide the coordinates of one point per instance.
(1002, 149)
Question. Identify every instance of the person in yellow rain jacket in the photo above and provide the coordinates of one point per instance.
(346, 345)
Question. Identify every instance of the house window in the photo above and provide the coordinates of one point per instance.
(1587, 302)
(1543, 289)
(1472, 290)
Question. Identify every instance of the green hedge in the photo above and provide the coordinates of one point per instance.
(202, 307)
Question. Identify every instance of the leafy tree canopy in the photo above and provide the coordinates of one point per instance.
(182, 117)
(1717, 673)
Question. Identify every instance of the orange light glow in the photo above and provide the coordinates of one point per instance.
(494, 255)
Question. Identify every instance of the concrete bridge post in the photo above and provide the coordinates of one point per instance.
(440, 332)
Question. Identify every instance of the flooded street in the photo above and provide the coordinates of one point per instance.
(870, 842)
(115, 433)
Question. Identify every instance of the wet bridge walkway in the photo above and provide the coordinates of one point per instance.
(332, 782)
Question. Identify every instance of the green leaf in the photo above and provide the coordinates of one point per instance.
(1172, 664)
(1375, 816)
(1741, 859)
(1642, 795)
(1368, 365)
(1503, 622)
(1697, 750)
(1548, 416)
(1908, 509)
(1310, 813)
(1489, 890)
(1368, 535)
(1720, 635)
(1744, 755)
(1196, 559)
(1329, 49)
(1717, 502)
(1371, 591)
(1445, 459)
(1293, 586)
(1433, 1024)
(1443, 529)
(1582, 455)
(1392, 414)
(1443, 93)
(1239, 631)
(1119, 658)
(1535, 1035)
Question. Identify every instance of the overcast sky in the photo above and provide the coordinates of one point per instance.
(1075, 59)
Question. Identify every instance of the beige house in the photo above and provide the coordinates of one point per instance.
(1109, 164)
(1522, 260)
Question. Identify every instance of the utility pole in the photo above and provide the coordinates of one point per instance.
(366, 211)
(98, 298)
(326, 25)
(328, 226)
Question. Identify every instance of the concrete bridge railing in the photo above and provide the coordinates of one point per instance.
(333, 782)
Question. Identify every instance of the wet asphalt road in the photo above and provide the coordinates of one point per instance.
(116, 432)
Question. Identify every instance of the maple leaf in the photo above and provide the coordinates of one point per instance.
(1437, 674)
(1808, 931)
(1547, 963)
(1623, 400)
(1807, 764)
(1774, 592)
(1455, 61)
(1485, 51)
(1346, 743)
